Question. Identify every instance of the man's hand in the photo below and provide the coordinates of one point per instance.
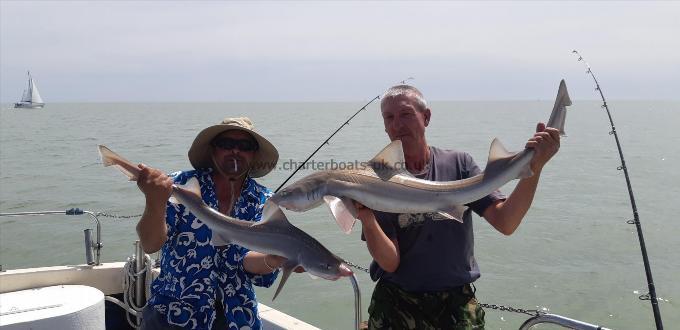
(275, 261)
(363, 213)
(546, 143)
(156, 186)
(506, 215)
(384, 250)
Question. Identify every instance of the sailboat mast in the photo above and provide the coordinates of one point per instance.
(29, 95)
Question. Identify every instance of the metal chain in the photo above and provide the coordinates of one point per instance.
(116, 216)
(355, 266)
(531, 312)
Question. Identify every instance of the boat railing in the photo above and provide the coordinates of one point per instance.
(559, 320)
(92, 249)
(138, 267)
(138, 273)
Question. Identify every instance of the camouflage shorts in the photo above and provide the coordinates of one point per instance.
(396, 309)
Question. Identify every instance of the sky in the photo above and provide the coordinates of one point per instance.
(219, 51)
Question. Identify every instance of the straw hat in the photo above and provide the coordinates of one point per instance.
(200, 152)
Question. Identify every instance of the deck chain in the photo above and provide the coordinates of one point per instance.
(117, 216)
(355, 266)
(531, 312)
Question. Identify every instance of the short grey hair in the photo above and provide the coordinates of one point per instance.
(405, 90)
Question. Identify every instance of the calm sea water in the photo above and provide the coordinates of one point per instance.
(573, 255)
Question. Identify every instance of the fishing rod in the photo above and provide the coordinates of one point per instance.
(636, 219)
(331, 136)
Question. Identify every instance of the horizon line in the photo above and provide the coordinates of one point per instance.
(340, 101)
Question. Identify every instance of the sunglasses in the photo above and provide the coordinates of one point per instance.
(228, 144)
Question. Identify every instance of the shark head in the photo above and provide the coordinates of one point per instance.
(328, 266)
(322, 264)
(302, 195)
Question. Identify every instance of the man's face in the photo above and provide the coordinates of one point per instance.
(403, 121)
(229, 152)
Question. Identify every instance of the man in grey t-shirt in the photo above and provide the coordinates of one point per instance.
(425, 265)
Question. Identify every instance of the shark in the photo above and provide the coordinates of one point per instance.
(383, 183)
(273, 235)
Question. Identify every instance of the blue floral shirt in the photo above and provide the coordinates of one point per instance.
(194, 273)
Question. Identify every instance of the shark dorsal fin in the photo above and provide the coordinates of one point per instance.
(389, 161)
(391, 156)
(498, 151)
(272, 215)
(499, 159)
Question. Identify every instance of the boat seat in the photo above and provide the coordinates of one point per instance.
(53, 307)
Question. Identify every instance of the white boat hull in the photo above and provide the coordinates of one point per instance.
(29, 105)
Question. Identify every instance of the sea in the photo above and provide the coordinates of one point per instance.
(574, 253)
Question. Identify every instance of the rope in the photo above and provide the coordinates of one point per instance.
(129, 280)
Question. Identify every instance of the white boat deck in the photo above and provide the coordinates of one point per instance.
(108, 279)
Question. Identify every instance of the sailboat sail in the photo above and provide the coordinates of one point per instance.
(31, 97)
(35, 96)
(25, 97)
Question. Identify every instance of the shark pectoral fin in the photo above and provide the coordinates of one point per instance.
(287, 268)
(191, 186)
(389, 161)
(273, 215)
(455, 212)
(343, 211)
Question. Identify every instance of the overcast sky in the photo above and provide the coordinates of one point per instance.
(331, 51)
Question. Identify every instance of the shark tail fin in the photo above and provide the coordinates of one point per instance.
(500, 158)
(559, 112)
(287, 267)
(343, 212)
(110, 158)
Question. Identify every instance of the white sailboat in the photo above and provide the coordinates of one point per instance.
(31, 98)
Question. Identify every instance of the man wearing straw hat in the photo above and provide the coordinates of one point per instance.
(203, 286)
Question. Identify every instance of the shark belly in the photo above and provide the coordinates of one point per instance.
(386, 196)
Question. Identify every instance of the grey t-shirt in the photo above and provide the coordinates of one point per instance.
(436, 253)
